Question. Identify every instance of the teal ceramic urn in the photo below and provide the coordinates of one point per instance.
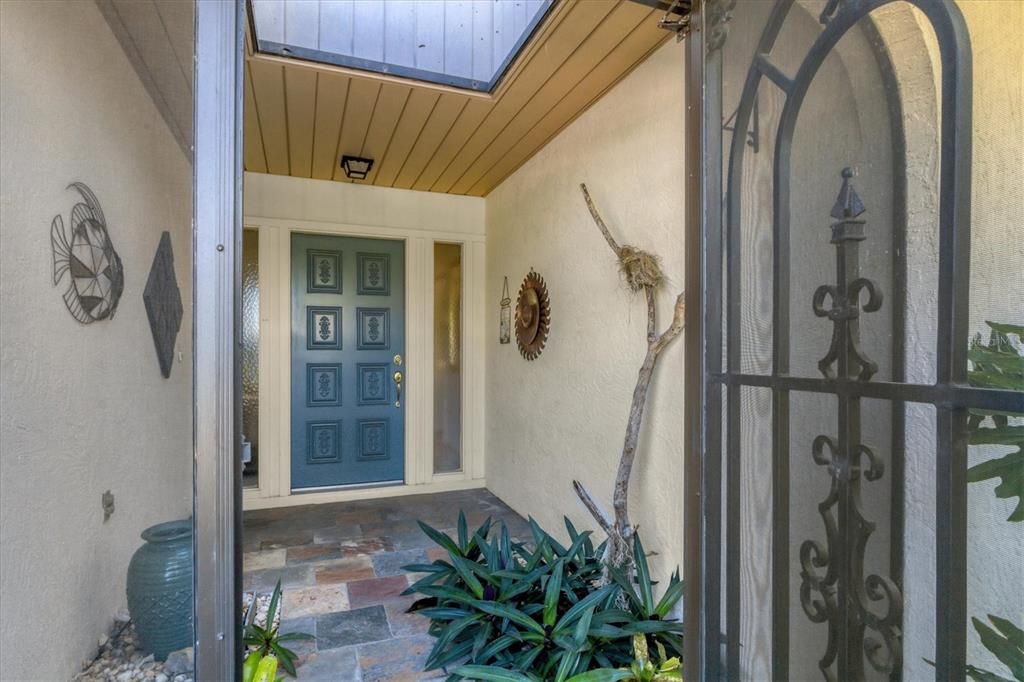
(160, 588)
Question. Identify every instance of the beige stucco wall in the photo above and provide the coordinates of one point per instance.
(563, 416)
(288, 198)
(83, 409)
(995, 551)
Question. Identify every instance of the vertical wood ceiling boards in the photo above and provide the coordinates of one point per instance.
(300, 91)
(331, 94)
(620, 61)
(390, 107)
(562, 43)
(441, 120)
(623, 19)
(255, 159)
(418, 108)
(268, 91)
(301, 118)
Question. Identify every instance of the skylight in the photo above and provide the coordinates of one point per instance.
(463, 43)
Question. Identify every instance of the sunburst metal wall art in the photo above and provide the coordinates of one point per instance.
(533, 316)
(85, 253)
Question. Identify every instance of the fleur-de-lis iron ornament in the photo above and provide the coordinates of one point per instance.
(833, 588)
(847, 233)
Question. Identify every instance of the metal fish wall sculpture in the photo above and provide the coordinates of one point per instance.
(88, 256)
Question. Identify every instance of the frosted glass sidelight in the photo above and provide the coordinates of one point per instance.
(447, 358)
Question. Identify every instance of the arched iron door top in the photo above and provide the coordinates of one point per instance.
(847, 641)
(952, 37)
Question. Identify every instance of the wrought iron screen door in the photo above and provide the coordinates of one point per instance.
(836, 209)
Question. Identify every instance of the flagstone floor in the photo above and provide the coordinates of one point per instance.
(340, 567)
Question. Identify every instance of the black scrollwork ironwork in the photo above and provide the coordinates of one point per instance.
(866, 614)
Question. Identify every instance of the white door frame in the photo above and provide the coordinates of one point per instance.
(274, 489)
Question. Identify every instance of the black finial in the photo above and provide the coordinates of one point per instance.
(848, 204)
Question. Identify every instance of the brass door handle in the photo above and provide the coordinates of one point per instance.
(398, 388)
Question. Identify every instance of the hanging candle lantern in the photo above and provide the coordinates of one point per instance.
(505, 328)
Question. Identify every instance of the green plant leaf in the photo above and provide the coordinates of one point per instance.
(492, 674)
(436, 567)
(463, 530)
(1010, 469)
(444, 613)
(620, 578)
(1010, 436)
(652, 627)
(577, 546)
(577, 610)
(672, 595)
(483, 635)
(524, 583)
(552, 593)
(441, 539)
(465, 569)
(457, 653)
(539, 535)
(511, 613)
(567, 665)
(272, 609)
(455, 627)
(1012, 633)
(1004, 328)
(643, 575)
(525, 660)
(601, 675)
(485, 528)
(285, 658)
(1005, 645)
(981, 675)
(506, 546)
(496, 647)
(445, 592)
(583, 627)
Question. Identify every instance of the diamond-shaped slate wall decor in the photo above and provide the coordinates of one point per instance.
(163, 304)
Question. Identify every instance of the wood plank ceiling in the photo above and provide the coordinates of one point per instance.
(157, 38)
(301, 117)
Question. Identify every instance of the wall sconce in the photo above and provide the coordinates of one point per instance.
(356, 168)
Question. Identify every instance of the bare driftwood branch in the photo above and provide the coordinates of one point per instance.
(600, 223)
(642, 271)
(596, 511)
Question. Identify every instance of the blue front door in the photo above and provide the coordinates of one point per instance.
(348, 351)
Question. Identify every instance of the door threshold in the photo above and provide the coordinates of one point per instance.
(347, 486)
(360, 492)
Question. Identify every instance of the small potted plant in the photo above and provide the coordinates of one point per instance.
(266, 645)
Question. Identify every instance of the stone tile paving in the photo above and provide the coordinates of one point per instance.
(341, 567)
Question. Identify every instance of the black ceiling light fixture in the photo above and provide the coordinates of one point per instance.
(356, 168)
